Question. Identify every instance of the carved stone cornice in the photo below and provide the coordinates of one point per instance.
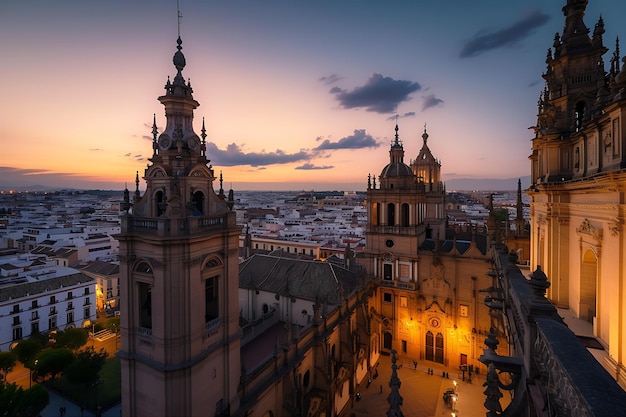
(615, 227)
(156, 263)
(586, 228)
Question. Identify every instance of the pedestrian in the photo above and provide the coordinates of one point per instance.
(415, 364)
(381, 389)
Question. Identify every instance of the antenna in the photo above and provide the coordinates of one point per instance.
(179, 16)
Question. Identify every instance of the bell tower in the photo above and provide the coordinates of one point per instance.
(179, 275)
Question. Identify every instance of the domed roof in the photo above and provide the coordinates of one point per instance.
(396, 166)
(397, 169)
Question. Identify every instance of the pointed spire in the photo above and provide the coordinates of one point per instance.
(137, 193)
(394, 399)
(155, 146)
(221, 185)
(520, 206)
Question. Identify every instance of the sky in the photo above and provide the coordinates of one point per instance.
(295, 94)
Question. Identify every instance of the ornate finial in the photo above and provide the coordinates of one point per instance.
(394, 399)
(154, 135)
(369, 181)
(492, 392)
(425, 135)
(539, 282)
(397, 141)
(221, 184)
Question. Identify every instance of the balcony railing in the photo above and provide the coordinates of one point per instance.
(145, 332)
(173, 227)
(212, 324)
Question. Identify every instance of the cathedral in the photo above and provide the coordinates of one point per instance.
(428, 306)
(577, 186)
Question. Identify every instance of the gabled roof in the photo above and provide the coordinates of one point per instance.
(318, 281)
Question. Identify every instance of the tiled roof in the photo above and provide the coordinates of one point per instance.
(102, 268)
(50, 284)
(310, 280)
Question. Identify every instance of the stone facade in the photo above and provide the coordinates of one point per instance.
(577, 182)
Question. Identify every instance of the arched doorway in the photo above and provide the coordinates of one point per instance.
(434, 347)
(588, 285)
(387, 340)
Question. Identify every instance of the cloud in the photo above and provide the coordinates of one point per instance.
(431, 101)
(330, 79)
(359, 140)
(403, 116)
(379, 94)
(508, 36)
(309, 166)
(233, 155)
(96, 149)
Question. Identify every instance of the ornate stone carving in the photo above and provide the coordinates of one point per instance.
(586, 228)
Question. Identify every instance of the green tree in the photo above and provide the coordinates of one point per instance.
(71, 338)
(87, 366)
(27, 350)
(52, 362)
(15, 401)
(7, 362)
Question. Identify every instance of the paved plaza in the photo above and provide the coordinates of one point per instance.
(422, 393)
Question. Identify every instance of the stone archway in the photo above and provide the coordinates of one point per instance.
(588, 286)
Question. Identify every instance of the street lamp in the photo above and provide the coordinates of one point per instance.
(30, 374)
(98, 382)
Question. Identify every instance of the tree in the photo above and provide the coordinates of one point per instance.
(87, 366)
(72, 338)
(53, 362)
(27, 350)
(15, 401)
(7, 362)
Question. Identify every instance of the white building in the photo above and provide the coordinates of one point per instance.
(42, 299)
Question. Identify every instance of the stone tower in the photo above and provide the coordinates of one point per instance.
(179, 275)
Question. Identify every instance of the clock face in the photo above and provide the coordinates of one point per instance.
(389, 243)
(165, 141)
(194, 143)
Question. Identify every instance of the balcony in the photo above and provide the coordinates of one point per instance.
(397, 230)
(144, 332)
(175, 227)
(397, 284)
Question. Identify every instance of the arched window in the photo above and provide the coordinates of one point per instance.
(198, 203)
(439, 348)
(159, 199)
(391, 214)
(430, 354)
(579, 115)
(375, 214)
(405, 215)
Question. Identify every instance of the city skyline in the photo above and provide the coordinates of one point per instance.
(294, 96)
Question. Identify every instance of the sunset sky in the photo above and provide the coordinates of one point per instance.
(295, 94)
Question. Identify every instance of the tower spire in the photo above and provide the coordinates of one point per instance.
(179, 16)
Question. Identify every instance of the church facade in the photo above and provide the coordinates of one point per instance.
(578, 179)
(428, 306)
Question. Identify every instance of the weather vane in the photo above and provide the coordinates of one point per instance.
(179, 15)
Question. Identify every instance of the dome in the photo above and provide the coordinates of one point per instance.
(397, 169)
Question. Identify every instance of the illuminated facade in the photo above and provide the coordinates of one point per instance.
(428, 306)
(578, 182)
